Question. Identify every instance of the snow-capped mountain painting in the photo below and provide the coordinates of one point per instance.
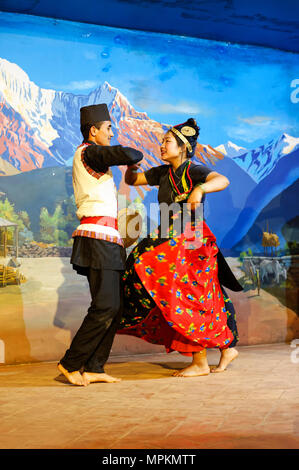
(40, 129)
(273, 167)
(231, 150)
(259, 163)
(51, 120)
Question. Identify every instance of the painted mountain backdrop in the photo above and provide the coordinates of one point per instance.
(49, 120)
(40, 130)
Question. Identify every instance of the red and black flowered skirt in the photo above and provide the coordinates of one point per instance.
(172, 294)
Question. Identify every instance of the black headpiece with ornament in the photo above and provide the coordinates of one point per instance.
(188, 133)
(93, 114)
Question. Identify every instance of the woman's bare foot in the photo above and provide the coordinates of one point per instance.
(199, 366)
(102, 377)
(227, 356)
(75, 378)
(192, 371)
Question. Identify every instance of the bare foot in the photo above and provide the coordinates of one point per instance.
(227, 356)
(192, 371)
(95, 377)
(75, 377)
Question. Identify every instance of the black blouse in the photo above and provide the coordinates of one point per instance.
(172, 214)
(159, 176)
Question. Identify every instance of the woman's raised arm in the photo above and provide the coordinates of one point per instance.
(214, 182)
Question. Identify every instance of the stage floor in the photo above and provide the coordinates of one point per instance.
(252, 405)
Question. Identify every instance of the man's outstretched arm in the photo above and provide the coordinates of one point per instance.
(100, 158)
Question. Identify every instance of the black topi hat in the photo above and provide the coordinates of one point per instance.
(188, 132)
(94, 113)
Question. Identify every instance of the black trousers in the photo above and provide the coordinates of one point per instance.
(90, 347)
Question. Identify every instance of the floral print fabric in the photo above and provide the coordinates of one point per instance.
(173, 296)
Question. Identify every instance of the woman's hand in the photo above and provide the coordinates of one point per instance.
(214, 182)
(195, 197)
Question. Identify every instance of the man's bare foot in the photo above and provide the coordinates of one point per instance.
(192, 371)
(227, 356)
(102, 377)
(75, 378)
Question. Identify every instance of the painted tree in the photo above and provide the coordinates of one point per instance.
(69, 209)
(52, 226)
(8, 212)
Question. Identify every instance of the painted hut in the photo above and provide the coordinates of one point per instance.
(5, 225)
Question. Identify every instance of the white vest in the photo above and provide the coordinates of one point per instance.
(95, 195)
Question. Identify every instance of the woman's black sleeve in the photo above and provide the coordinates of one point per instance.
(199, 173)
(99, 158)
(154, 174)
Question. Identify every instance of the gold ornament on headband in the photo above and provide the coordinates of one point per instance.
(188, 131)
(183, 138)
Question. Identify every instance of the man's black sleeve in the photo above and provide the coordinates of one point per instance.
(99, 157)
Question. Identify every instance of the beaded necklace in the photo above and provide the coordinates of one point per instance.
(180, 196)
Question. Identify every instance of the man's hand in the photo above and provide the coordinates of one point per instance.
(133, 177)
(135, 167)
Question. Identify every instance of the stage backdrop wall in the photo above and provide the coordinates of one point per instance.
(245, 100)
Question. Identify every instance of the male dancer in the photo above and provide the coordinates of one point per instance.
(98, 250)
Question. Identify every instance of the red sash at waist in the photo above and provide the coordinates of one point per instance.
(102, 220)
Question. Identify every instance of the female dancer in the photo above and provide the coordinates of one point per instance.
(172, 291)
